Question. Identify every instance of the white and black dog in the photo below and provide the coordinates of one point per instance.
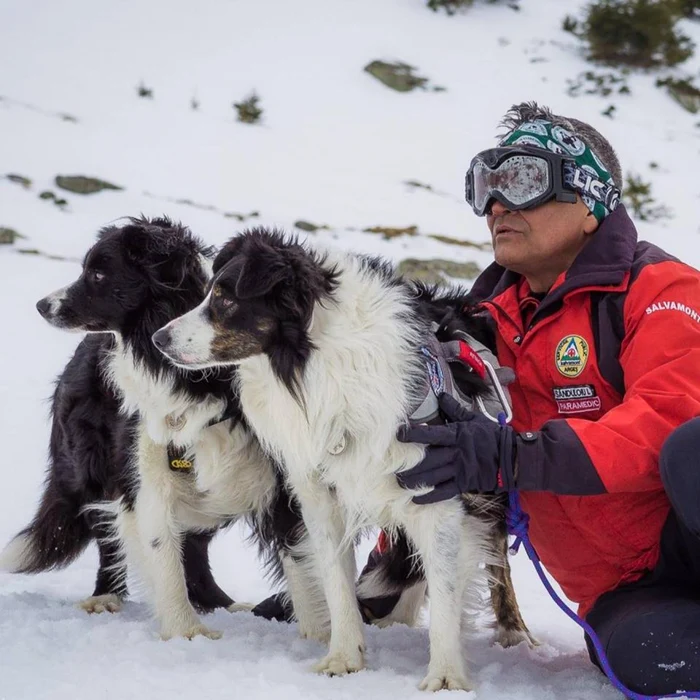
(329, 367)
(169, 444)
(91, 437)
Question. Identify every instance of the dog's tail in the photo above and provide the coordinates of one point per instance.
(57, 535)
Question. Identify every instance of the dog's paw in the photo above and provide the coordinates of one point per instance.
(317, 633)
(101, 603)
(445, 680)
(388, 621)
(197, 630)
(512, 637)
(240, 607)
(340, 663)
(314, 627)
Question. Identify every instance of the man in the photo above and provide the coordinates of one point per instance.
(603, 333)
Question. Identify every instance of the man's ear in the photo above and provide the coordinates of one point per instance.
(590, 224)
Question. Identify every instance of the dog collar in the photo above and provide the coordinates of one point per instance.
(177, 460)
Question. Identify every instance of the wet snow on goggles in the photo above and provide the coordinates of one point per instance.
(523, 177)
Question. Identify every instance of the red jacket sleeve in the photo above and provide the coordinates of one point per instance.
(660, 356)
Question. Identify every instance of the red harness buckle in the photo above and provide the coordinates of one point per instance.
(470, 357)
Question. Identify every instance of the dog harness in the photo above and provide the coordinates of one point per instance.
(439, 380)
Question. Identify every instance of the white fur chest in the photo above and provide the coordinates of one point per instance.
(232, 476)
(356, 392)
(169, 416)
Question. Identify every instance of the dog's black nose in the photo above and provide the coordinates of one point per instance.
(43, 306)
(161, 339)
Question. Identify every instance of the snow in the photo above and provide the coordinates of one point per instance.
(335, 148)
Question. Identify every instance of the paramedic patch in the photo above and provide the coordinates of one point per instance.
(576, 399)
(571, 355)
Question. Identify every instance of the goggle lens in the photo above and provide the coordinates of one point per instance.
(519, 180)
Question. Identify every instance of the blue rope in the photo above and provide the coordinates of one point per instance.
(517, 521)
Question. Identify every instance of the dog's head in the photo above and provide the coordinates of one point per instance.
(146, 270)
(261, 300)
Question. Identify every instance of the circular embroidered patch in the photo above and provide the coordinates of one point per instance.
(571, 355)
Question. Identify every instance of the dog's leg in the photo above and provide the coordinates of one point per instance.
(324, 519)
(161, 539)
(438, 536)
(510, 626)
(305, 589)
(110, 586)
(204, 593)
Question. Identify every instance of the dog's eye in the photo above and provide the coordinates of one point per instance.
(97, 276)
(226, 303)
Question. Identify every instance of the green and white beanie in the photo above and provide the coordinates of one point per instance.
(587, 175)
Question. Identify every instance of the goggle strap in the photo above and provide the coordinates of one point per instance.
(605, 193)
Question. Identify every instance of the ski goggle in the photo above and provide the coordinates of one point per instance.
(518, 177)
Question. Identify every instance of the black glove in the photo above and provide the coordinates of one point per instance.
(470, 455)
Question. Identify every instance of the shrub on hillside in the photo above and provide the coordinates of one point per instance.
(450, 6)
(638, 198)
(570, 24)
(454, 6)
(249, 110)
(143, 91)
(683, 91)
(639, 33)
(690, 8)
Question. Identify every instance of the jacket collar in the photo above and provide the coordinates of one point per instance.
(605, 261)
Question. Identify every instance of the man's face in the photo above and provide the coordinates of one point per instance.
(537, 241)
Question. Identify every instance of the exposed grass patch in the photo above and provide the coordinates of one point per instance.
(80, 184)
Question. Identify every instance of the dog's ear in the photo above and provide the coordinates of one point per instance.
(152, 242)
(134, 237)
(260, 275)
(230, 250)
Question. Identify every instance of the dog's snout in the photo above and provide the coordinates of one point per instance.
(43, 306)
(162, 338)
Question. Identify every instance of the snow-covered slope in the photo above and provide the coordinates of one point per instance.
(335, 148)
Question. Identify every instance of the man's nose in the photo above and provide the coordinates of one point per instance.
(498, 209)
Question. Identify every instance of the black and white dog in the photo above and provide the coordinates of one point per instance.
(91, 438)
(329, 366)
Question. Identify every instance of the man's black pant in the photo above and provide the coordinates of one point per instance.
(650, 629)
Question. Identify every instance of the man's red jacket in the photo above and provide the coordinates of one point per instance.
(603, 401)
